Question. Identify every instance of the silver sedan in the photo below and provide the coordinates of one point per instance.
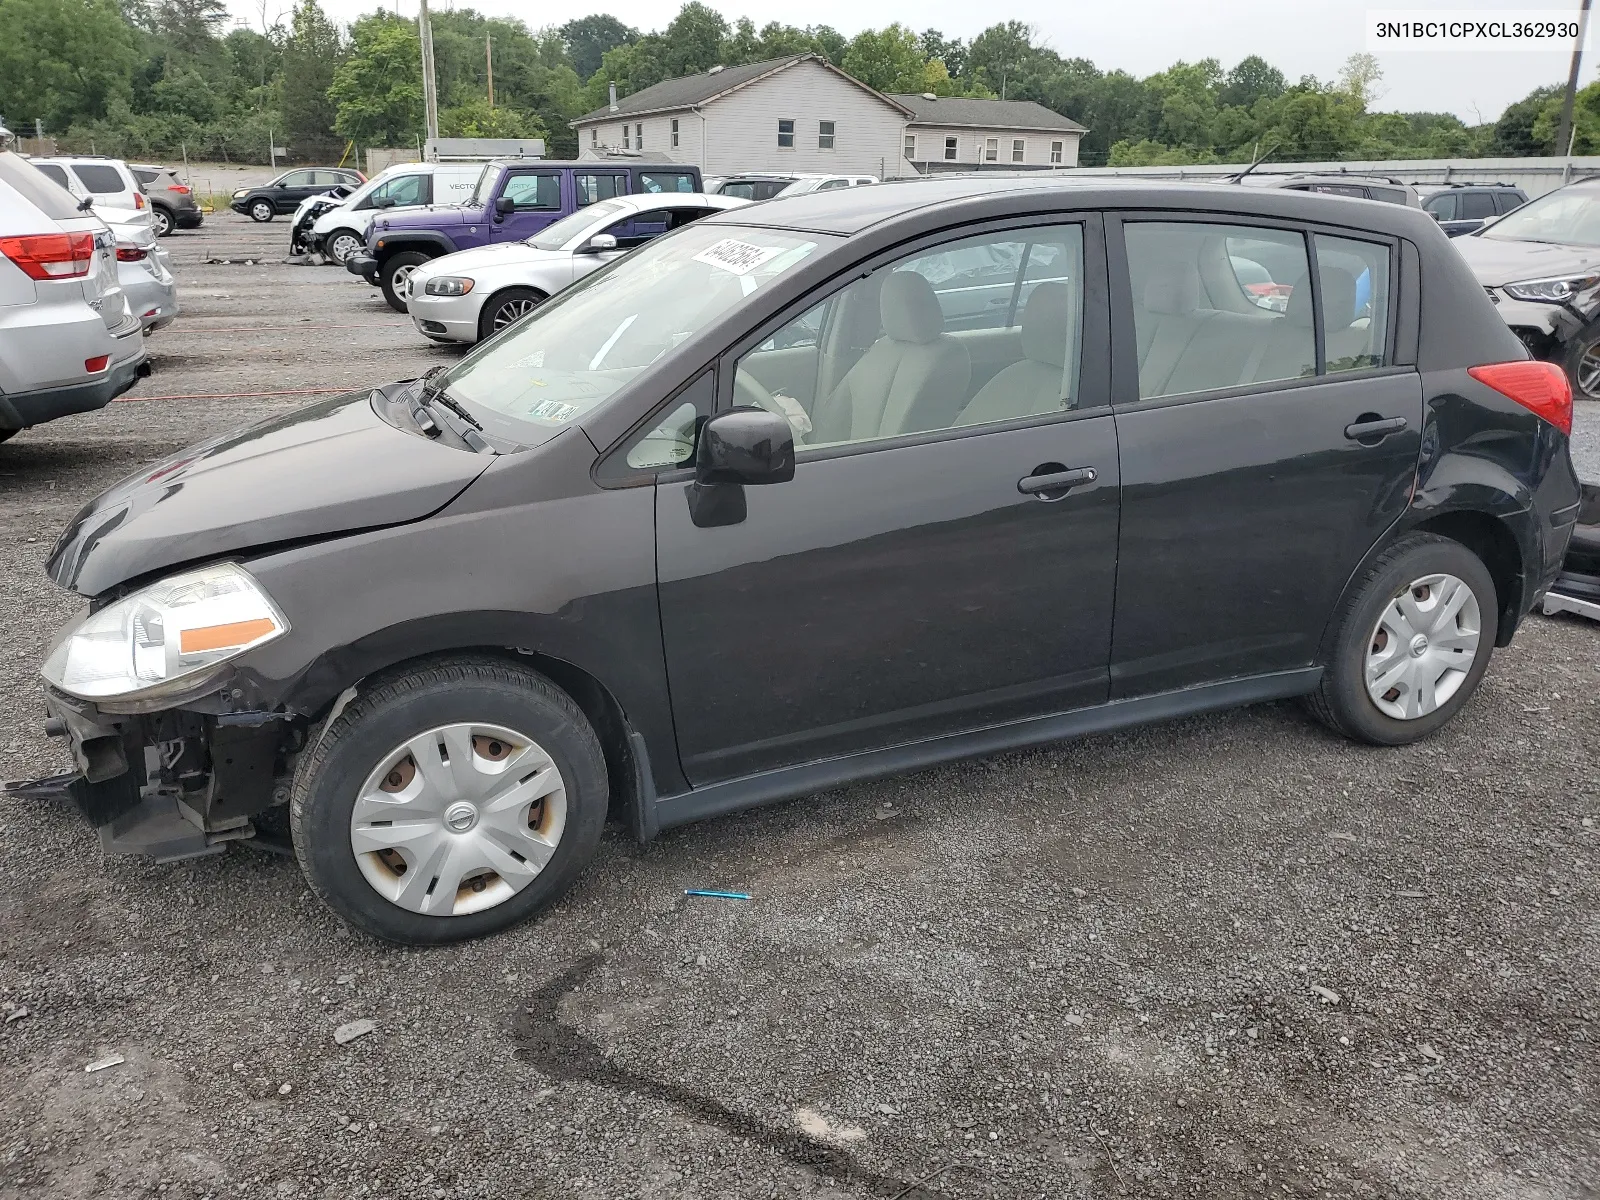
(467, 296)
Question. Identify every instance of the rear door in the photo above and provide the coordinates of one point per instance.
(1264, 450)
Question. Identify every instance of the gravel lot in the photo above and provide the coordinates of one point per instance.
(1225, 957)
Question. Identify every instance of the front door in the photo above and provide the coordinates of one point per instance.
(1268, 441)
(536, 198)
(943, 558)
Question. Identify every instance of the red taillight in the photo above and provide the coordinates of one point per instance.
(179, 188)
(51, 255)
(138, 200)
(92, 365)
(1540, 387)
(131, 253)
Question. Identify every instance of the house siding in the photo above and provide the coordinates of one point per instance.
(970, 145)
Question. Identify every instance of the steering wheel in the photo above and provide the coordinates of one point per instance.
(750, 390)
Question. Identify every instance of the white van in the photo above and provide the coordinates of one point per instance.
(342, 231)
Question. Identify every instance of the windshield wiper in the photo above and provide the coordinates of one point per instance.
(431, 393)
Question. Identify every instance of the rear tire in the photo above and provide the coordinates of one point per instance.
(393, 274)
(162, 220)
(341, 244)
(442, 831)
(1401, 664)
(508, 306)
(262, 210)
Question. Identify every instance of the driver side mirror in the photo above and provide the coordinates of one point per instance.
(600, 243)
(504, 206)
(736, 447)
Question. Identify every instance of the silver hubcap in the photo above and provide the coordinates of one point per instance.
(458, 819)
(262, 211)
(342, 247)
(1589, 370)
(1422, 647)
(513, 310)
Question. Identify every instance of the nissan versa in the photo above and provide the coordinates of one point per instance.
(807, 492)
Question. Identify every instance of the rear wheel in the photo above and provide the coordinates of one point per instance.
(162, 220)
(448, 802)
(341, 244)
(507, 308)
(395, 276)
(261, 210)
(1413, 641)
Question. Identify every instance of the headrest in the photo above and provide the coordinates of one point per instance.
(1046, 322)
(1298, 310)
(1338, 300)
(1174, 290)
(909, 308)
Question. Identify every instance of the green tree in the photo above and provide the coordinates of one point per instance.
(311, 55)
(889, 59)
(1512, 135)
(1585, 135)
(951, 52)
(378, 89)
(63, 60)
(588, 38)
(1252, 78)
(476, 119)
(693, 41)
(191, 25)
(999, 54)
(1360, 76)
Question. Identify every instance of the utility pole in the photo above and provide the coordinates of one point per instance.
(430, 98)
(488, 58)
(1565, 132)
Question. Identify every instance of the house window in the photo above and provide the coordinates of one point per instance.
(674, 133)
(950, 149)
(824, 135)
(1055, 151)
(638, 136)
(625, 142)
(911, 147)
(991, 150)
(594, 135)
(786, 133)
(1019, 149)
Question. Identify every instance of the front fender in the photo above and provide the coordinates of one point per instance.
(393, 241)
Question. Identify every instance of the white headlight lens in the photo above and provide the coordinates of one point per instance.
(448, 285)
(166, 636)
(1552, 291)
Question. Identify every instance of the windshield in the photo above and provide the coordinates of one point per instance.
(553, 237)
(572, 352)
(1570, 215)
(486, 177)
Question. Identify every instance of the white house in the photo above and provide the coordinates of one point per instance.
(962, 133)
(798, 114)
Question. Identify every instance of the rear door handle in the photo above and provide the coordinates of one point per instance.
(1362, 430)
(1045, 486)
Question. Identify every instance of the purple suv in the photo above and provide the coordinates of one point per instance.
(514, 200)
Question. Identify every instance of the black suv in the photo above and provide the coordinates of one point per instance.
(1464, 207)
(172, 203)
(769, 505)
(283, 194)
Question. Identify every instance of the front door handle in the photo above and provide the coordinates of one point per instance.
(1375, 429)
(1056, 484)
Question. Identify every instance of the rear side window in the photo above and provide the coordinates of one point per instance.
(1387, 195)
(1476, 206)
(1219, 306)
(1353, 277)
(146, 178)
(594, 188)
(665, 181)
(99, 178)
(29, 181)
(1506, 201)
(535, 193)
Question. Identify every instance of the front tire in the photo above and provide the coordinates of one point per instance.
(507, 308)
(1583, 364)
(1412, 643)
(395, 273)
(450, 801)
(261, 210)
(341, 244)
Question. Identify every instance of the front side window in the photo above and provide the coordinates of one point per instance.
(591, 338)
(674, 133)
(592, 189)
(824, 135)
(296, 179)
(991, 150)
(1354, 280)
(911, 147)
(535, 193)
(1018, 149)
(906, 349)
(402, 189)
(1056, 149)
(1443, 206)
(1218, 306)
(786, 132)
(950, 149)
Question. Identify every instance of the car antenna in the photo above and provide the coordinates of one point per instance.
(1254, 163)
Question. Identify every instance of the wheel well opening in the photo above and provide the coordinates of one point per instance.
(1495, 545)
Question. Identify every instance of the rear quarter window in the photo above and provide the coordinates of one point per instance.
(99, 178)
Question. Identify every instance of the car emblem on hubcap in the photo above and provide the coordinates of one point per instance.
(1419, 645)
(461, 817)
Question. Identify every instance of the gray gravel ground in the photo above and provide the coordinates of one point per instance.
(1231, 956)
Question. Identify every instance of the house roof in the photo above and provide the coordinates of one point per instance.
(985, 114)
(692, 90)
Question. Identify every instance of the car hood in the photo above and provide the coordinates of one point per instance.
(430, 216)
(1498, 261)
(332, 467)
(506, 254)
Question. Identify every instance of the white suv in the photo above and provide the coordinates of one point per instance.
(68, 340)
(342, 231)
(107, 181)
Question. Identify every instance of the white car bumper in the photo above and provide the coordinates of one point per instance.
(445, 318)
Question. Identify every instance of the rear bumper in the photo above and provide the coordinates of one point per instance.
(363, 265)
(23, 409)
(188, 218)
(153, 300)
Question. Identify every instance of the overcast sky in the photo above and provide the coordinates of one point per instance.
(1299, 37)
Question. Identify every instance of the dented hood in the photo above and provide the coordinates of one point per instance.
(332, 467)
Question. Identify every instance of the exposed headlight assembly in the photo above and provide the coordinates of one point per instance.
(1552, 291)
(447, 285)
(165, 639)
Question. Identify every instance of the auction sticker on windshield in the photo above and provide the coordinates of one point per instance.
(739, 257)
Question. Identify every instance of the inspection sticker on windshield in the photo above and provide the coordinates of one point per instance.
(739, 257)
(554, 411)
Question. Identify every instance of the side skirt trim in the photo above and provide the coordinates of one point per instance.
(788, 782)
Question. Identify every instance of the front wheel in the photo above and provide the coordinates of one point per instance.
(1412, 643)
(507, 308)
(261, 210)
(449, 802)
(395, 277)
(1583, 364)
(341, 244)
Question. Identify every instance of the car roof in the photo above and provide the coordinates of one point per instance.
(850, 210)
(645, 201)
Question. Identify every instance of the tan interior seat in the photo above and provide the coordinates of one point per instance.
(1035, 384)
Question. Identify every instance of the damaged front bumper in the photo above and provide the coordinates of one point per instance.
(169, 785)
